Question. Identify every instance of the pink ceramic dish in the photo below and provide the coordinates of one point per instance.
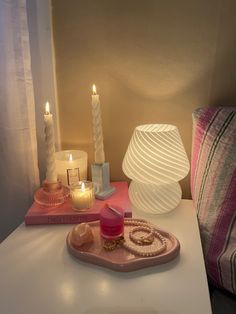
(121, 259)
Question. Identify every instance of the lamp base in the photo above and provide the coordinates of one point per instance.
(101, 181)
(51, 194)
(155, 199)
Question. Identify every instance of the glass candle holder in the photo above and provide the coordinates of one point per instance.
(82, 195)
(71, 166)
(111, 222)
(51, 194)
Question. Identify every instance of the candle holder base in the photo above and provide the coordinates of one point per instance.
(51, 194)
(103, 195)
(101, 181)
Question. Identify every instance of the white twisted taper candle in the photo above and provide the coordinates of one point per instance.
(51, 175)
(97, 128)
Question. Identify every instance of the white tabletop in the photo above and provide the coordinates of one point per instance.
(38, 275)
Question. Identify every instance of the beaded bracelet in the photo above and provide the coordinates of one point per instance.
(143, 239)
(147, 250)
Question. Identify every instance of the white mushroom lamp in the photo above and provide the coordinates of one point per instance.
(155, 161)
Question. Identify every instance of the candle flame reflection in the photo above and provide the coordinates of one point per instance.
(83, 186)
(47, 108)
(70, 157)
(94, 89)
(67, 291)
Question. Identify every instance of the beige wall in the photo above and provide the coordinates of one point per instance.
(153, 62)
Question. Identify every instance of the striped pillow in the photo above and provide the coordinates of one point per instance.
(213, 186)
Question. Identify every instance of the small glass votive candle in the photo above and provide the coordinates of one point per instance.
(82, 195)
(111, 222)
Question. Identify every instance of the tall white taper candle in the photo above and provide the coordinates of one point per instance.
(51, 175)
(97, 128)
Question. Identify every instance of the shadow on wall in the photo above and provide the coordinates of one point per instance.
(223, 90)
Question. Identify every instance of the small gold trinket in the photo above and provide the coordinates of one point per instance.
(109, 245)
(120, 241)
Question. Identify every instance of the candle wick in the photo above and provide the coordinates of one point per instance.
(115, 211)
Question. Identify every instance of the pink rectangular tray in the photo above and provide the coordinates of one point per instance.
(121, 259)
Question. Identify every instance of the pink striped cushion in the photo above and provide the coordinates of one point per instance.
(213, 186)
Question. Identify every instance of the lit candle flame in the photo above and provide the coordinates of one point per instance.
(70, 157)
(94, 89)
(47, 108)
(83, 186)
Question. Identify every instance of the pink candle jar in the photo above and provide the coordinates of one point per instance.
(111, 222)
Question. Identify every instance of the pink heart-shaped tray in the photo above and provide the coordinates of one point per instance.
(121, 259)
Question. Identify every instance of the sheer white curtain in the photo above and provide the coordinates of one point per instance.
(19, 175)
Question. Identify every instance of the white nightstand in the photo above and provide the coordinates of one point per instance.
(38, 275)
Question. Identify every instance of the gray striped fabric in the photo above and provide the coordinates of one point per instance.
(213, 186)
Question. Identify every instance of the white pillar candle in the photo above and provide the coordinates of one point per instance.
(82, 195)
(71, 166)
(97, 128)
(51, 175)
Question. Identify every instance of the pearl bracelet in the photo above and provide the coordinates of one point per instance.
(143, 239)
(146, 250)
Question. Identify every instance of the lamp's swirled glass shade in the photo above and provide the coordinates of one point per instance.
(156, 155)
(155, 199)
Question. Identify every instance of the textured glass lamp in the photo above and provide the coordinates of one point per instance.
(155, 161)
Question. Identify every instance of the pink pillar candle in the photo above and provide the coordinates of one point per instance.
(111, 221)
